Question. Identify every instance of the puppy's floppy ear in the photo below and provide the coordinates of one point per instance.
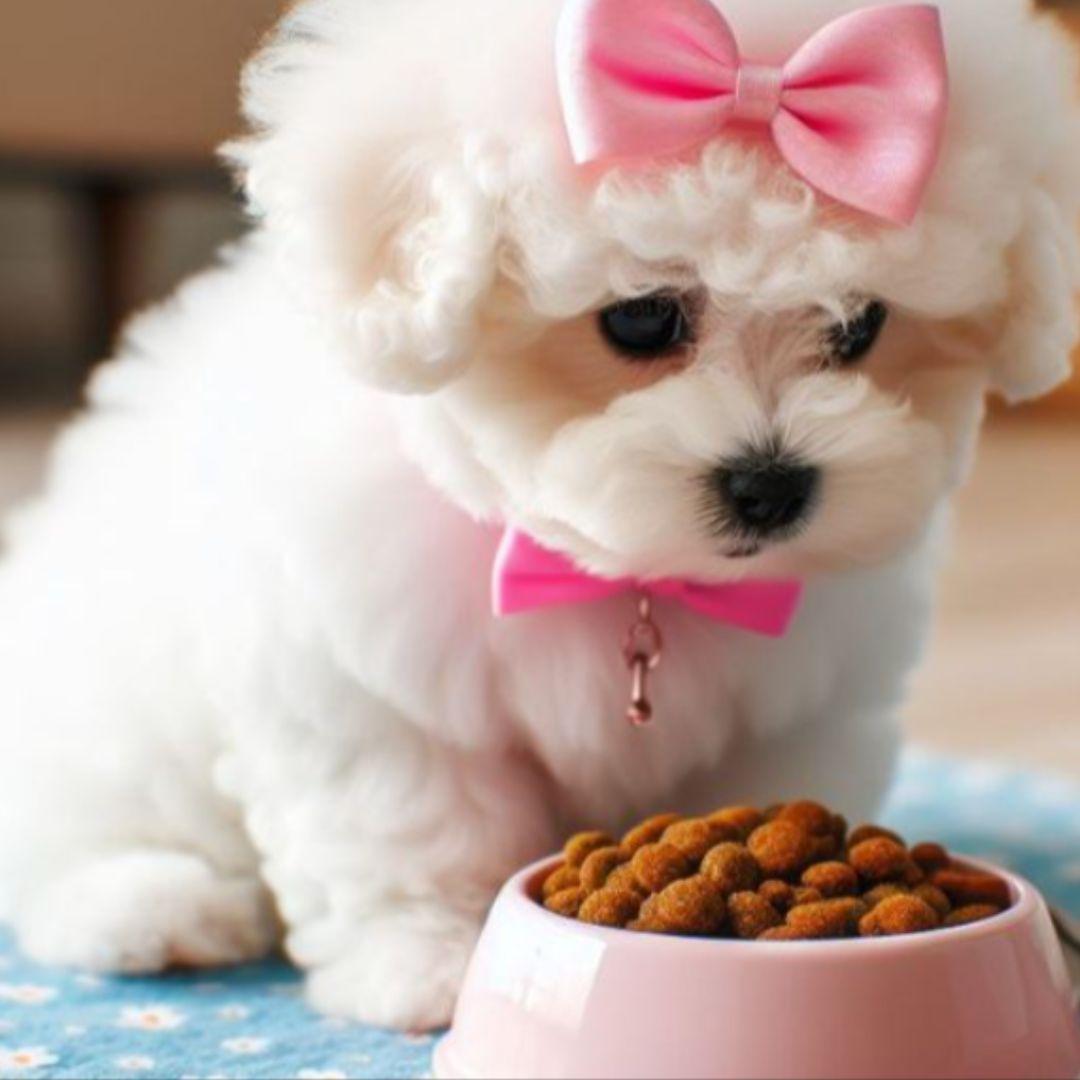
(1032, 353)
(415, 263)
(394, 242)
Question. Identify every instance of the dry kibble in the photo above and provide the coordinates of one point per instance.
(781, 933)
(695, 837)
(812, 817)
(743, 819)
(827, 919)
(967, 887)
(824, 848)
(750, 915)
(779, 893)
(788, 874)
(782, 849)
(932, 895)
(656, 866)
(930, 857)
(879, 859)
(566, 877)
(579, 848)
(691, 906)
(731, 868)
(899, 915)
(648, 832)
(972, 913)
(805, 895)
(872, 832)
(610, 907)
(566, 903)
(831, 879)
(873, 897)
(623, 877)
(597, 868)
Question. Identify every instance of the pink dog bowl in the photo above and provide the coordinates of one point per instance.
(549, 997)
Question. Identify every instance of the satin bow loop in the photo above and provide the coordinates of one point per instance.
(529, 576)
(858, 111)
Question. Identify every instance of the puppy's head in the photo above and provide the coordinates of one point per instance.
(701, 369)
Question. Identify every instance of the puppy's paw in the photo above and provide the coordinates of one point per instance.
(402, 972)
(144, 911)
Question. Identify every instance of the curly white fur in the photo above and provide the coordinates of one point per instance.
(246, 649)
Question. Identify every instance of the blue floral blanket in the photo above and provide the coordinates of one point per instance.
(252, 1023)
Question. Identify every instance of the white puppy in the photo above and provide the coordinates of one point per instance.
(249, 673)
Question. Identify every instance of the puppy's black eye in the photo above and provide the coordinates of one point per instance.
(851, 341)
(648, 328)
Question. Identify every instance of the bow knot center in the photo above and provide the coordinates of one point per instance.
(759, 91)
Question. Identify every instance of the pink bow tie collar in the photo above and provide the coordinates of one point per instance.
(528, 576)
(858, 111)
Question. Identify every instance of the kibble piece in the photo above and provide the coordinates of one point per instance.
(751, 915)
(648, 832)
(831, 879)
(743, 819)
(913, 874)
(779, 893)
(579, 848)
(827, 919)
(872, 897)
(691, 906)
(782, 933)
(656, 866)
(566, 877)
(566, 903)
(967, 887)
(971, 913)
(610, 907)
(597, 868)
(623, 877)
(899, 915)
(731, 868)
(931, 857)
(781, 848)
(805, 895)
(810, 816)
(932, 895)
(695, 837)
(824, 848)
(872, 832)
(879, 859)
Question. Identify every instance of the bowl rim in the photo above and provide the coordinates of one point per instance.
(521, 891)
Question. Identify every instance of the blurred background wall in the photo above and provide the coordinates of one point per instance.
(110, 111)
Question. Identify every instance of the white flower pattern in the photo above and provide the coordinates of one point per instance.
(233, 1013)
(26, 994)
(246, 1044)
(151, 1018)
(135, 1063)
(25, 1058)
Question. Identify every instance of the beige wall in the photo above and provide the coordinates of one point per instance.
(138, 80)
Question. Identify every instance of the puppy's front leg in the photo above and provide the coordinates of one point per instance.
(385, 850)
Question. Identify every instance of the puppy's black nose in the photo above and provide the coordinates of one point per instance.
(767, 496)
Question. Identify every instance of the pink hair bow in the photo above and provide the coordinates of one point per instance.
(858, 111)
(528, 576)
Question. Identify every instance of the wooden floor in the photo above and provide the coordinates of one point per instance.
(1003, 678)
